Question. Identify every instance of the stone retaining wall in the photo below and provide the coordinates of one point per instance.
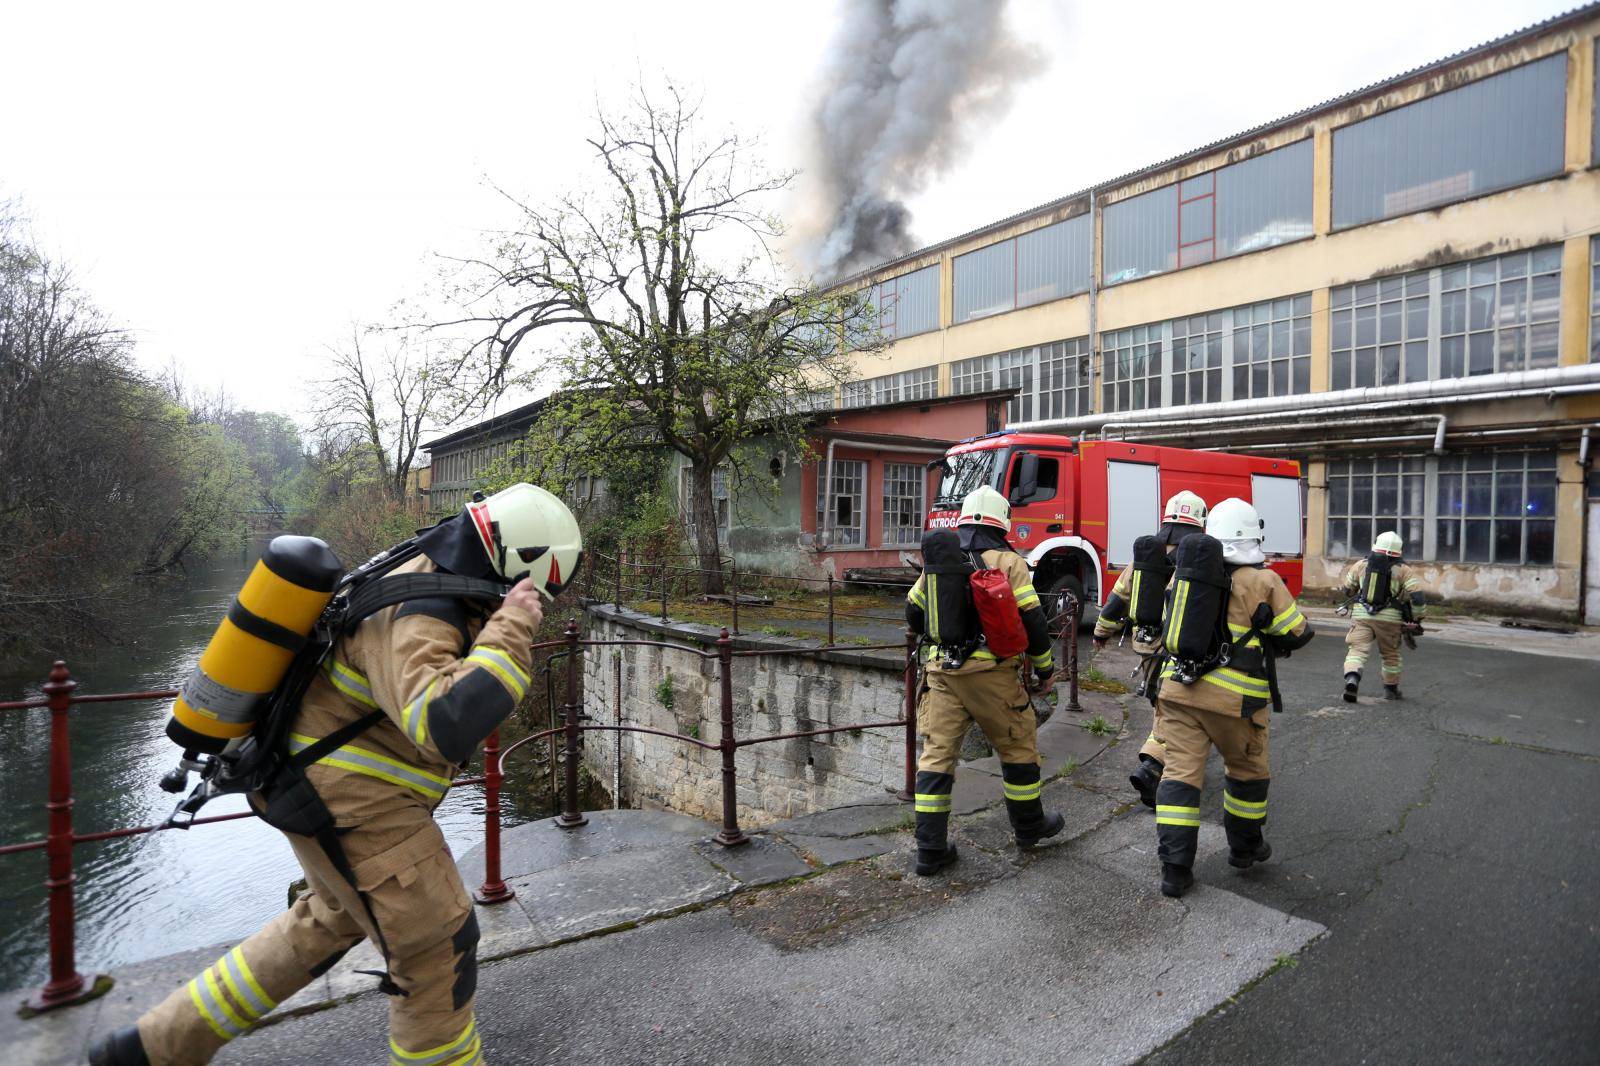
(771, 695)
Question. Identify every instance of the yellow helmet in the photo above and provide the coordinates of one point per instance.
(1389, 543)
(1185, 507)
(525, 531)
(985, 507)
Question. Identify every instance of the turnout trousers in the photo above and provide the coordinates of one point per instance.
(1364, 633)
(951, 702)
(406, 873)
(1189, 735)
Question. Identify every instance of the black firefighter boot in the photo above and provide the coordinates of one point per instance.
(1177, 834)
(1352, 682)
(120, 1047)
(1244, 815)
(1392, 692)
(934, 851)
(1026, 810)
(1146, 779)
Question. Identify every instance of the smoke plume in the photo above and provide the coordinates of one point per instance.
(904, 84)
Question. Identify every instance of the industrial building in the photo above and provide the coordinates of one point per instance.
(1399, 287)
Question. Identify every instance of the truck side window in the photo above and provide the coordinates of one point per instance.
(1049, 479)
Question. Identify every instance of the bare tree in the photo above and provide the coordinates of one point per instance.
(660, 305)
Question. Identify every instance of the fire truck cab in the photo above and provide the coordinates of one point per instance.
(1078, 506)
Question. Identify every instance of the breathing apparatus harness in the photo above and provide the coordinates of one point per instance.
(261, 761)
(1196, 634)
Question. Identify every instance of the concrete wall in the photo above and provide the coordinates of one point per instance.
(770, 696)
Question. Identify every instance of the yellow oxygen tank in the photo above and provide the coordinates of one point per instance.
(253, 645)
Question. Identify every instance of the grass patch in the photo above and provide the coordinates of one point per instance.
(1283, 962)
(1099, 726)
(1069, 769)
(776, 631)
(664, 694)
(1093, 679)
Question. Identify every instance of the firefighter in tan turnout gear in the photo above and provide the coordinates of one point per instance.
(1136, 602)
(1386, 606)
(444, 676)
(1226, 617)
(964, 681)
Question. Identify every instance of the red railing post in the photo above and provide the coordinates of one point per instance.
(571, 817)
(908, 793)
(830, 610)
(66, 984)
(731, 834)
(663, 593)
(617, 600)
(1074, 614)
(494, 888)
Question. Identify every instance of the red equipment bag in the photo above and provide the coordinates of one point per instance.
(998, 615)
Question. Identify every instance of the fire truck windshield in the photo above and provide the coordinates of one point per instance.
(964, 472)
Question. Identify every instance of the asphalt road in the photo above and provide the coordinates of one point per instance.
(1448, 843)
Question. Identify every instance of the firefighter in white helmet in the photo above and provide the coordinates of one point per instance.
(434, 677)
(964, 682)
(1136, 600)
(1386, 603)
(1215, 690)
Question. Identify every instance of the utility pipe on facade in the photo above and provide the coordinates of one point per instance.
(1553, 381)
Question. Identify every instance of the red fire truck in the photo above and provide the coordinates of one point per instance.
(1077, 506)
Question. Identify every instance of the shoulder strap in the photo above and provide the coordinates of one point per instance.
(391, 589)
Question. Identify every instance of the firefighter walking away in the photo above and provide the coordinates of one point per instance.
(1226, 617)
(1386, 607)
(987, 643)
(1136, 602)
(399, 703)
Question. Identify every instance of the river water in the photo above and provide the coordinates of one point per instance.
(159, 893)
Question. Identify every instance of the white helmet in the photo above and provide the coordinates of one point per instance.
(1240, 529)
(985, 507)
(1185, 507)
(1389, 543)
(527, 531)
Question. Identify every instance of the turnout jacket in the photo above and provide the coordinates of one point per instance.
(443, 676)
(1033, 620)
(1404, 587)
(1241, 687)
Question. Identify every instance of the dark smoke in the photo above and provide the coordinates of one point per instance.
(904, 83)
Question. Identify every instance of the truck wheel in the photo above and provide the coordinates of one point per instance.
(1050, 597)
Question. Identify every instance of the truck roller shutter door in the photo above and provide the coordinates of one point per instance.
(1133, 494)
(1277, 501)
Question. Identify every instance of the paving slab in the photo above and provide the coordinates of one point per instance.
(542, 845)
(870, 815)
(764, 860)
(603, 891)
(830, 851)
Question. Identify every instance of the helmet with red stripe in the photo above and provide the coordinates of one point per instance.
(527, 531)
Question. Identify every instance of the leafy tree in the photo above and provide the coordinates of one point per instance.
(658, 306)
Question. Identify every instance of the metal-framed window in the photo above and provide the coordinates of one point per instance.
(1052, 379)
(1368, 496)
(1497, 314)
(1497, 507)
(1038, 266)
(1261, 349)
(904, 505)
(1197, 219)
(1131, 367)
(906, 305)
(1494, 133)
(846, 522)
(1271, 353)
(1467, 507)
(1197, 358)
(919, 384)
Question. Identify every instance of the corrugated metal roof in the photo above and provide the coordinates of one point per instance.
(1533, 30)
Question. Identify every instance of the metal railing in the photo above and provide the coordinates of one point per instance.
(66, 985)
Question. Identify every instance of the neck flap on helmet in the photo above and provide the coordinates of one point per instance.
(976, 538)
(454, 547)
(1173, 532)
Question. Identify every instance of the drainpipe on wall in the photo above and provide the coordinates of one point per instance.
(1094, 299)
(825, 533)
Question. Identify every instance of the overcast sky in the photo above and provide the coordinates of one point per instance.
(240, 183)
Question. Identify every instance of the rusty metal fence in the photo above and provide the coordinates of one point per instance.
(67, 985)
